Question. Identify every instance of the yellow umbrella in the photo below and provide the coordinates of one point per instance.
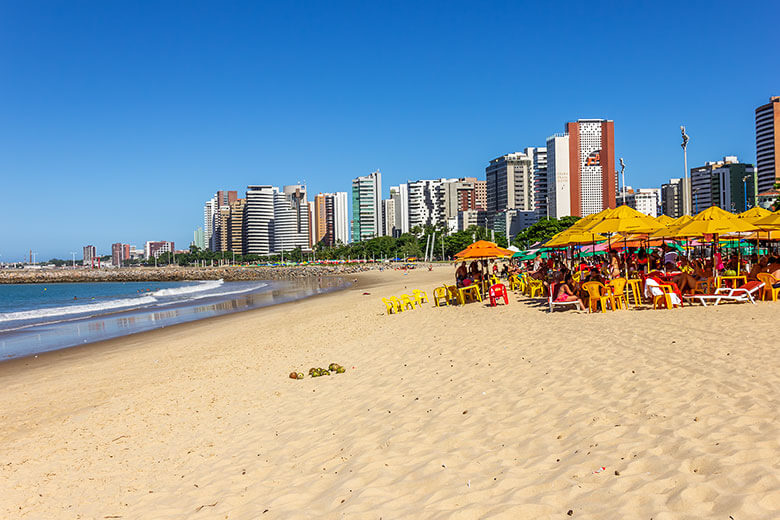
(664, 219)
(569, 237)
(627, 221)
(671, 229)
(754, 214)
(588, 220)
(770, 224)
(714, 221)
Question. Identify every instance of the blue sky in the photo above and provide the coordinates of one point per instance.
(119, 119)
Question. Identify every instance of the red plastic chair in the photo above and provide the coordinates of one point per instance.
(496, 292)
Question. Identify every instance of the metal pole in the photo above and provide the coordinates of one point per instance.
(687, 186)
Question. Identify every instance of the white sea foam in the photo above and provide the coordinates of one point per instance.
(76, 309)
(188, 289)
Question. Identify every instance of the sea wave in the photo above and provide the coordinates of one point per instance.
(76, 309)
(188, 289)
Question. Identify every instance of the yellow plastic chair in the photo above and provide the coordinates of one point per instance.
(408, 301)
(452, 293)
(598, 294)
(494, 280)
(514, 282)
(440, 296)
(768, 290)
(398, 305)
(664, 299)
(389, 305)
(535, 287)
(619, 292)
(577, 276)
(634, 287)
(420, 296)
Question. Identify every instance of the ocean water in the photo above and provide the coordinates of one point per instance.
(36, 318)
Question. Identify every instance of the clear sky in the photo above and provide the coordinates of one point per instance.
(119, 119)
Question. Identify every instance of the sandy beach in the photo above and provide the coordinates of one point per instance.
(444, 413)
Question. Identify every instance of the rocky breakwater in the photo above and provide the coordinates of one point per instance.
(175, 274)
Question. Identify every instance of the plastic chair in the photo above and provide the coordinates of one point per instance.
(494, 280)
(665, 297)
(398, 305)
(390, 306)
(407, 301)
(577, 276)
(598, 294)
(634, 289)
(497, 291)
(452, 294)
(514, 282)
(420, 296)
(619, 292)
(440, 297)
(535, 287)
(769, 291)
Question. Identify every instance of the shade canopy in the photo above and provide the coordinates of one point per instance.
(671, 229)
(714, 221)
(570, 237)
(769, 222)
(625, 220)
(664, 220)
(754, 214)
(483, 249)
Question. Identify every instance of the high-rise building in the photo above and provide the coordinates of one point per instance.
(89, 256)
(592, 176)
(671, 197)
(768, 144)
(388, 216)
(275, 221)
(330, 221)
(538, 156)
(117, 254)
(728, 184)
(222, 229)
(558, 186)
(400, 196)
(480, 192)
(212, 218)
(199, 238)
(367, 207)
(426, 202)
(236, 226)
(291, 219)
(510, 183)
(259, 220)
(125, 251)
(459, 195)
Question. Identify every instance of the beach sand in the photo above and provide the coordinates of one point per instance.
(451, 413)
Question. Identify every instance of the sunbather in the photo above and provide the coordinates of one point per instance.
(565, 293)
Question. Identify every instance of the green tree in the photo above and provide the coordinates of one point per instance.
(542, 231)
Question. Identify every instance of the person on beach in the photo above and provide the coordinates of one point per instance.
(461, 273)
(564, 291)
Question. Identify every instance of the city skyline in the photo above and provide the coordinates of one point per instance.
(123, 111)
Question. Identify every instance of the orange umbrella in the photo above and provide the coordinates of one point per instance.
(483, 249)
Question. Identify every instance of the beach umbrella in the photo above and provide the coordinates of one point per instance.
(714, 221)
(483, 249)
(625, 220)
(754, 214)
(664, 220)
(571, 236)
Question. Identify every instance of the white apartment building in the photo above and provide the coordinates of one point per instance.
(400, 196)
(538, 156)
(644, 200)
(259, 220)
(558, 176)
(388, 216)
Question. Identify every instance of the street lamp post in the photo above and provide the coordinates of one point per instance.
(744, 183)
(623, 176)
(687, 187)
